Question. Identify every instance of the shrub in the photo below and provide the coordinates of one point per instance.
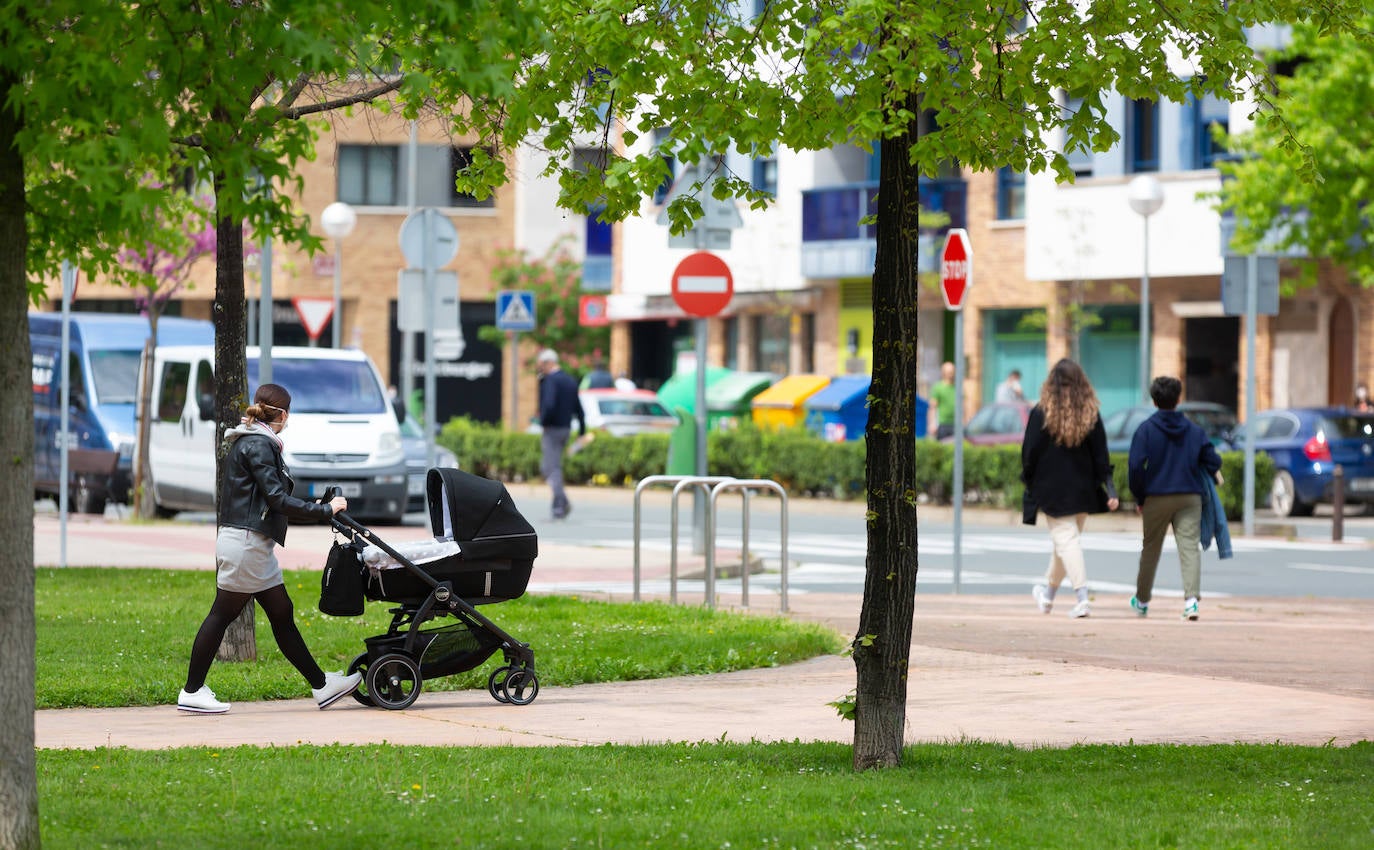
(797, 459)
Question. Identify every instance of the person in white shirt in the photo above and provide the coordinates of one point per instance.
(1010, 389)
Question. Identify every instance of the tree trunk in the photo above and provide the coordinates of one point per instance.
(230, 315)
(143, 478)
(18, 641)
(883, 644)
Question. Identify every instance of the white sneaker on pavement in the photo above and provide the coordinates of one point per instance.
(336, 686)
(1041, 593)
(1082, 609)
(201, 702)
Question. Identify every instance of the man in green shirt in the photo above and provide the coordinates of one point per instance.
(942, 396)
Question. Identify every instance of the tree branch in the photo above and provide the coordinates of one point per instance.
(339, 103)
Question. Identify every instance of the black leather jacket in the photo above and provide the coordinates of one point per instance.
(256, 490)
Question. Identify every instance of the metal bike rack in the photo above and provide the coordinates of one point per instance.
(677, 481)
(746, 486)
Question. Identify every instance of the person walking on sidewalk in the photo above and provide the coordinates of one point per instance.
(1067, 475)
(255, 503)
(558, 407)
(1162, 470)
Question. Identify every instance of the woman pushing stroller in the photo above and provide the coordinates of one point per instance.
(255, 503)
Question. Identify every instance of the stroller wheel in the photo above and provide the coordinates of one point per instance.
(521, 687)
(496, 683)
(393, 681)
(359, 665)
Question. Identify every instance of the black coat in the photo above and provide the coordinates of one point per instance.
(256, 491)
(1064, 480)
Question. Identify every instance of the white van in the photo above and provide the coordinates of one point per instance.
(343, 430)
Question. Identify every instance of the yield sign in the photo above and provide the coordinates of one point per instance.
(314, 313)
(702, 284)
(956, 268)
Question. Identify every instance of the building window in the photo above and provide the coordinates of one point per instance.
(367, 175)
(765, 177)
(732, 342)
(1080, 160)
(1142, 135)
(460, 158)
(1011, 194)
(1208, 112)
(772, 343)
(371, 176)
(669, 161)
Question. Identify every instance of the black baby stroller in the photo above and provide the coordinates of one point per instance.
(483, 552)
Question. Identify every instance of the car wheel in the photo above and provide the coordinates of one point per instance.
(1283, 497)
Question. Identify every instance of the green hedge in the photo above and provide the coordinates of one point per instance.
(795, 458)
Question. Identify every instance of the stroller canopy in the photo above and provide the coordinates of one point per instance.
(480, 514)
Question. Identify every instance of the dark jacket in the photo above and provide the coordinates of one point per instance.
(1066, 480)
(256, 490)
(558, 402)
(1165, 453)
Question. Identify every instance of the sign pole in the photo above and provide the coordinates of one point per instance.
(958, 448)
(515, 380)
(956, 278)
(1251, 285)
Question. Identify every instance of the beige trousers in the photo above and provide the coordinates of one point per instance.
(1067, 557)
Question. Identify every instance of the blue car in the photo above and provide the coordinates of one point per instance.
(1218, 421)
(1306, 444)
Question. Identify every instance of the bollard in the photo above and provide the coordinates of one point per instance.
(1337, 503)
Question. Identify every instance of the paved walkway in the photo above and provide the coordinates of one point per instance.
(988, 668)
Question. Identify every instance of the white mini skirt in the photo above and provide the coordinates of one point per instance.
(245, 561)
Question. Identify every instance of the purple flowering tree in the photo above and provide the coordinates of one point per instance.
(156, 273)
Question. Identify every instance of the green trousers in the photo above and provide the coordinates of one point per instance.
(1184, 512)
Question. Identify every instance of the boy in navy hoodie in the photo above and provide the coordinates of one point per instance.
(1166, 452)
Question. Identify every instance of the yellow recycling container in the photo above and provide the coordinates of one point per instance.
(780, 406)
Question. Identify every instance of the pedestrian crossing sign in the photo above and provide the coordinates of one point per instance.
(515, 310)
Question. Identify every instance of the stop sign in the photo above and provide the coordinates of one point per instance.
(702, 284)
(956, 268)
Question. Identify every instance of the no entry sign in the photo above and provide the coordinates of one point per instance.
(956, 268)
(702, 284)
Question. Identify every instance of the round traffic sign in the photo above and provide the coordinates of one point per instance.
(428, 228)
(956, 268)
(702, 284)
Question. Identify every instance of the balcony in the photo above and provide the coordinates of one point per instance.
(836, 244)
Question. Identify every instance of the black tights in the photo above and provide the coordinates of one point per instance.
(276, 603)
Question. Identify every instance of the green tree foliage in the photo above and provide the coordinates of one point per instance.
(1305, 172)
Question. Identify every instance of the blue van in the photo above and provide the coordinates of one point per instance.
(105, 349)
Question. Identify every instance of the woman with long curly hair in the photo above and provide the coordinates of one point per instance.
(1067, 475)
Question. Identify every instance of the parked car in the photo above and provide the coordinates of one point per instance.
(1306, 444)
(1217, 420)
(995, 424)
(417, 463)
(623, 413)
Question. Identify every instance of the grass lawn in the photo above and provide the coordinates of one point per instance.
(962, 795)
(120, 637)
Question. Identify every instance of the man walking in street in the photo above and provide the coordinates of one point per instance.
(558, 407)
(1166, 453)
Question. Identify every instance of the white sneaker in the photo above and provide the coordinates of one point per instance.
(1080, 610)
(1042, 597)
(336, 686)
(201, 702)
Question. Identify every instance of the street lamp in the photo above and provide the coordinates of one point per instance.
(1146, 197)
(338, 220)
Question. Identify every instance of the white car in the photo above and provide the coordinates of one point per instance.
(624, 413)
